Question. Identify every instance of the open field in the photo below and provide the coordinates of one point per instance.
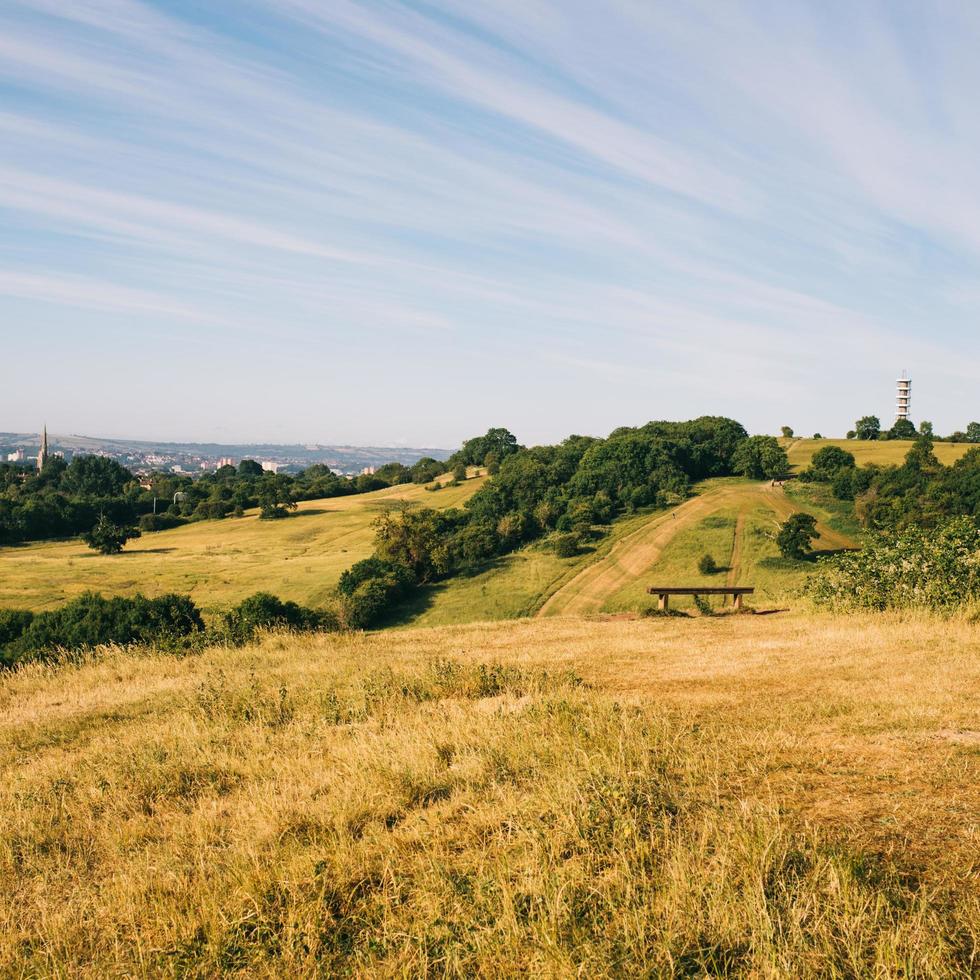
(884, 453)
(218, 562)
(763, 796)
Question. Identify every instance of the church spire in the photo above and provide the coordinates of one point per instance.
(43, 452)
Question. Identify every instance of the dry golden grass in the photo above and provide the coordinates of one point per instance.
(752, 796)
(867, 451)
(218, 563)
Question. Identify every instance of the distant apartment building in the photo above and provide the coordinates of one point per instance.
(368, 471)
(225, 461)
(17, 456)
(270, 467)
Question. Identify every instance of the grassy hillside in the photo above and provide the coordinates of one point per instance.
(884, 453)
(218, 562)
(774, 796)
(734, 519)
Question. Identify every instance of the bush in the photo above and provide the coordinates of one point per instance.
(212, 510)
(374, 567)
(707, 565)
(160, 522)
(90, 621)
(936, 569)
(13, 624)
(266, 611)
(567, 545)
(370, 589)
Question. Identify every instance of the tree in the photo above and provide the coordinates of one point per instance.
(925, 429)
(459, 472)
(787, 432)
(902, 429)
(973, 432)
(816, 435)
(275, 496)
(795, 535)
(868, 427)
(827, 461)
(761, 458)
(248, 467)
(96, 476)
(109, 538)
(852, 434)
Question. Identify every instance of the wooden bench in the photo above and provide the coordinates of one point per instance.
(664, 592)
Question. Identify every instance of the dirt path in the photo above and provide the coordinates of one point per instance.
(633, 555)
(734, 563)
(637, 552)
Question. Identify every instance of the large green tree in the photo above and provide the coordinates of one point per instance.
(868, 427)
(795, 535)
(761, 458)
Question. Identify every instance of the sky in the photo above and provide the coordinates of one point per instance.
(388, 222)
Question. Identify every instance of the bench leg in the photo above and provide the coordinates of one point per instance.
(662, 605)
(737, 602)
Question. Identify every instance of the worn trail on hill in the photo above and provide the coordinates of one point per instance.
(638, 552)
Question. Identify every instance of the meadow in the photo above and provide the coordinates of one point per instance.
(792, 796)
(218, 563)
(865, 451)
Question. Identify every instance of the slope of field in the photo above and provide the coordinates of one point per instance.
(514, 585)
(218, 562)
(667, 548)
(884, 453)
(753, 796)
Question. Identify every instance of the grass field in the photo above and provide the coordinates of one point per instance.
(884, 453)
(218, 562)
(754, 796)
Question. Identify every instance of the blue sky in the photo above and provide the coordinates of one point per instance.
(403, 222)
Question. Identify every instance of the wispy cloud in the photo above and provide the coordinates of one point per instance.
(712, 205)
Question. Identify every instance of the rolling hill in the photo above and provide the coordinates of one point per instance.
(219, 562)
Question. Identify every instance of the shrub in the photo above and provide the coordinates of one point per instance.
(160, 522)
(90, 620)
(374, 567)
(702, 605)
(567, 545)
(935, 569)
(370, 589)
(707, 565)
(266, 611)
(795, 535)
(212, 510)
(13, 624)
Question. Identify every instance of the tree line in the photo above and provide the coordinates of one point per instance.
(921, 492)
(96, 496)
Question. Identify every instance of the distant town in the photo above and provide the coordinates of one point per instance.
(193, 459)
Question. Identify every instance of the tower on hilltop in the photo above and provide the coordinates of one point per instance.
(42, 454)
(904, 397)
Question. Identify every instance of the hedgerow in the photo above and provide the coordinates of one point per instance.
(936, 569)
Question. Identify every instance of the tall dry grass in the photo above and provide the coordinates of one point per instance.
(743, 798)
